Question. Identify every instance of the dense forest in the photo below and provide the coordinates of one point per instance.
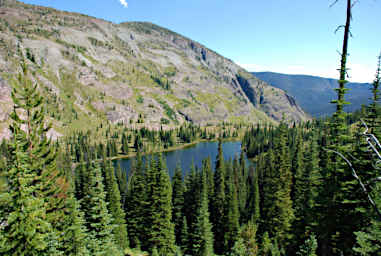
(314, 187)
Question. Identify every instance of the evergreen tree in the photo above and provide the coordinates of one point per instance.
(283, 202)
(252, 211)
(340, 195)
(30, 208)
(114, 205)
(99, 220)
(121, 177)
(309, 247)
(246, 244)
(124, 142)
(231, 224)
(74, 238)
(218, 202)
(184, 236)
(159, 215)
(202, 236)
(177, 202)
(136, 205)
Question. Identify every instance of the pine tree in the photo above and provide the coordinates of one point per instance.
(340, 196)
(136, 205)
(114, 205)
(231, 225)
(177, 202)
(99, 220)
(159, 196)
(246, 244)
(202, 236)
(74, 238)
(184, 236)
(242, 185)
(283, 202)
(121, 177)
(31, 208)
(124, 146)
(252, 209)
(373, 118)
(218, 202)
(309, 247)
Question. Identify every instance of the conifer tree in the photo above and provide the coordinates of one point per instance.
(75, 239)
(242, 184)
(207, 167)
(159, 209)
(202, 236)
(309, 247)
(121, 177)
(114, 205)
(218, 202)
(373, 118)
(124, 146)
(252, 211)
(136, 205)
(283, 202)
(231, 225)
(30, 208)
(177, 202)
(99, 220)
(340, 197)
(184, 235)
(246, 244)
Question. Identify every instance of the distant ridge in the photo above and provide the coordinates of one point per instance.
(314, 93)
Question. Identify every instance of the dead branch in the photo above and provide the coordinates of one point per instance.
(363, 187)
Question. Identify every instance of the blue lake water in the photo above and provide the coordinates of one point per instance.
(196, 153)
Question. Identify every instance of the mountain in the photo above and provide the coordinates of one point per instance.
(90, 71)
(314, 94)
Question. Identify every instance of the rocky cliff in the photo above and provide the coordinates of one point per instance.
(90, 70)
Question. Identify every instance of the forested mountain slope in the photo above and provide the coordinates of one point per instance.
(314, 93)
(91, 70)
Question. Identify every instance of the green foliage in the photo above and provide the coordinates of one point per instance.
(114, 205)
(246, 244)
(29, 205)
(136, 205)
(99, 220)
(218, 202)
(177, 202)
(160, 230)
(309, 248)
(202, 236)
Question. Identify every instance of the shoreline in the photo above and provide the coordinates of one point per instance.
(173, 148)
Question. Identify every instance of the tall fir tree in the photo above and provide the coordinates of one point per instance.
(283, 203)
(159, 209)
(136, 205)
(178, 189)
(202, 236)
(218, 202)
(114, 205)
(340, 196)
(32, 206)
(99, 220)
(231, 223)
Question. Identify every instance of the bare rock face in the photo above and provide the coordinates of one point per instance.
(86, 67)
(5, 100)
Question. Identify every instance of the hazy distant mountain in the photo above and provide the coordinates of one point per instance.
(314, 93)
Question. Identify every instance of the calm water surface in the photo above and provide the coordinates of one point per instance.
(196, 153)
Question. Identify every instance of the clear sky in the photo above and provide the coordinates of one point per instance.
(287, 36)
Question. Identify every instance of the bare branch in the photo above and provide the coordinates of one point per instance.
(354, 173)
(335, 2)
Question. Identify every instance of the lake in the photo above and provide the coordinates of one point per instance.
(196, 153)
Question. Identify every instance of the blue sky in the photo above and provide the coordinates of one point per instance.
(295, 37)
